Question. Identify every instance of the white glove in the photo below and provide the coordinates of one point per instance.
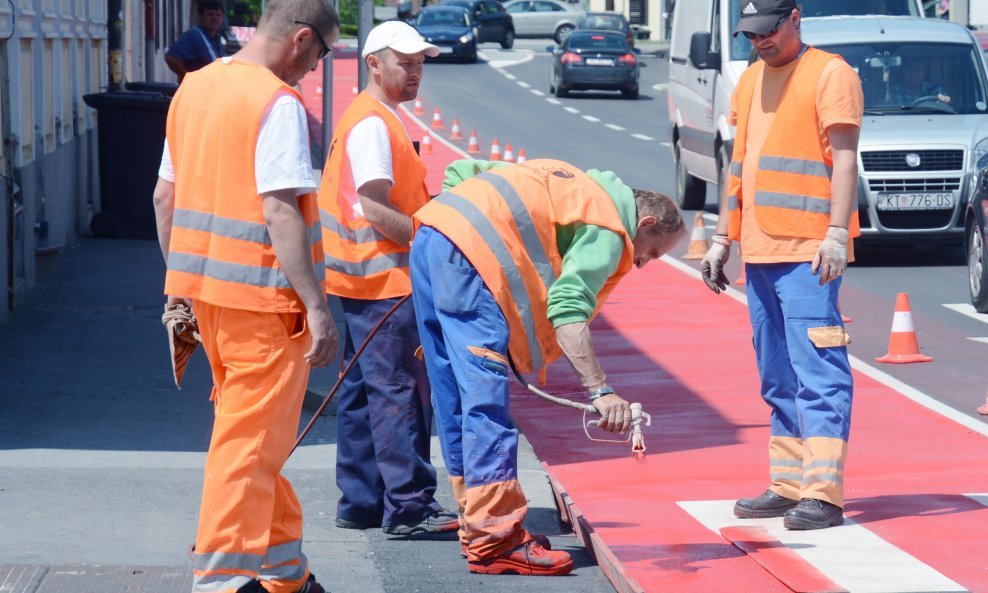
(712, 266)
(831, 259)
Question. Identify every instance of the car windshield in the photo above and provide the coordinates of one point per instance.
(591, 42)
(443, 18)
(602, 21)
(917, 77)
(741, 47)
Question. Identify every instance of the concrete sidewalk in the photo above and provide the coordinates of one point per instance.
(101, 458)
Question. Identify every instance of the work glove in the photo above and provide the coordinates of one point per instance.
(712, 266)
(183, 336)
(831, 259)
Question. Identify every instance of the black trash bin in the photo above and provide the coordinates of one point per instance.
(149, 86)
(131, 134)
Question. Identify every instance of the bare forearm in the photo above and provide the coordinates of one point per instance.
(577, 345)
(289, 237)
(389, 222)
(164, 210)
(844, 188)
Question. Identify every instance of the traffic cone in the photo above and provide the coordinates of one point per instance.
(983, 410)
(509, 154)
(903, 345)
(437, 120)
(495, 151)
(473, 147)
(425, 147)
(843, 318)
(698, 239)
(521, 156)
(418, 108)
(455, 133)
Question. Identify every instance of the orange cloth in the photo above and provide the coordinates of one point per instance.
(838, 101)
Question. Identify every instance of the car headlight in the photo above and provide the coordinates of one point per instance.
(980, 155)
(466, 38)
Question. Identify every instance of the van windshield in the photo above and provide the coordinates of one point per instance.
(917, 77)
(741, 47)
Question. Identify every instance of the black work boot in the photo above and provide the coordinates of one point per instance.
(769, 504)
(439, 521)
(811, 513)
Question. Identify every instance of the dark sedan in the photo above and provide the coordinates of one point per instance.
(491, 22)
(977, 240)
(450, 29)
(594, 60)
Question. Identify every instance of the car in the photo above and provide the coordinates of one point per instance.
(607, 21)
(490, 20)
(594, 60)
(976, 233)
(450, 29)
(544, 18)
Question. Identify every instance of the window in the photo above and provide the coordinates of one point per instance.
(547, 7)
(520, 7)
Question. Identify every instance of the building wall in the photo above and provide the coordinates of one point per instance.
(657, 14)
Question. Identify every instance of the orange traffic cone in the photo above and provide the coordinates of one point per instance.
(509, 155)
(437, 120)
(455, 133)
(425, 146)
(983, 410)
(903, 345)
(418, 108)
(521, 156)
(495, 151)
(698, 239)
(473, 147)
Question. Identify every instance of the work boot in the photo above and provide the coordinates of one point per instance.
(769, 504)
(354, 524)
(527, 559)
(440, 521)
(543, 541)
(812, 513)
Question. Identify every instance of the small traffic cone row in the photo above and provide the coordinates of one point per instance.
(495, 151)
(509, 154)
(418, 108)
(473, 146)
(437, 120)
(425, 146)
(521, 156)
(455, 133)
(698, 239)
(903, 345)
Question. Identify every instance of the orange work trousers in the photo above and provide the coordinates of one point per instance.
(250, 521)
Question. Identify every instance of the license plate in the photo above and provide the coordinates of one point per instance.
(445, 49)
(599, 62)
(916, 201)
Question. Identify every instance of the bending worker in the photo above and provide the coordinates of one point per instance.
(517, 260)
(372, 183)
(238, 225)
(792, 202)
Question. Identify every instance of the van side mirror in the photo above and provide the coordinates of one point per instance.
(700, 53)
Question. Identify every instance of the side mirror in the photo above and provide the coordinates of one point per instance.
(700, 53)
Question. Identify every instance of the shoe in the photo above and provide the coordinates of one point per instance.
(541, 539)
(769, 504)
(812, 513)
(528, 559)
(438, 522)
(311, 586)
(351, 524)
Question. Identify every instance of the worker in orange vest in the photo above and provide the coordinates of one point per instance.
(372, 183)
(792, 202)
(515, 260)
(238, 224)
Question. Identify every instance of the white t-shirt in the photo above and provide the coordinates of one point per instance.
(281, 158)
(368, 148)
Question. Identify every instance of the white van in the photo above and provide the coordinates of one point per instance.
(705, 63)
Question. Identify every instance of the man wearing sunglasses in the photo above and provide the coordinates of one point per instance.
(791, 202)
(238, 225)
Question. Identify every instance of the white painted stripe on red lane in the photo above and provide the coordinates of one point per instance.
(980, 498)
(850, 555)
(969, 310)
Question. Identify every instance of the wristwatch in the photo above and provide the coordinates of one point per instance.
(601, 392)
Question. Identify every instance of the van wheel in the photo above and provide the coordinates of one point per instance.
(691, 193)
(977, 267)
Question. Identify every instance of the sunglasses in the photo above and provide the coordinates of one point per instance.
(326, 50)
(774, 30)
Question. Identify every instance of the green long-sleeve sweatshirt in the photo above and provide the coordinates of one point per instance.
(591, 254)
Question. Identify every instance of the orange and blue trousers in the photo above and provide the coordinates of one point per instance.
(465, 342)
(250, 521)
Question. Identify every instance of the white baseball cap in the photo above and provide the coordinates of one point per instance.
(399, 36)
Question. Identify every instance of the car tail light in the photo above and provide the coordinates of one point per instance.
(628, 59)
(570, 58)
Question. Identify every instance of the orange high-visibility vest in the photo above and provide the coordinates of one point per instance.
(220, 250)
(504, 221)
(792, 185)
(362, 263)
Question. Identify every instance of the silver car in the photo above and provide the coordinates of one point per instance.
(544, 18)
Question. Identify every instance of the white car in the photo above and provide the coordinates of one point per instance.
(544, 18)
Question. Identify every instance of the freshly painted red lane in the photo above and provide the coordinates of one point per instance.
(783, 563)
(665, 340)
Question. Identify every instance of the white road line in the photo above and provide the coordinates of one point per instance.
(502, 58)
(982, 340)
(536, 92)
(966, 309)
(850, 555)
(523, 84)
(642, 137)
(666, 144)
(591, 118)
(981, 498)
(662, 86)
(571, 109)
(509, 76)
(553, 101)
(614, 127)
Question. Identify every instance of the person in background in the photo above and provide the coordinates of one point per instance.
(201, 44)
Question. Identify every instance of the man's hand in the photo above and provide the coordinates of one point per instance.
(174, 300)
(325, 338)
(615, 413)
(712, 266)
(831, 259)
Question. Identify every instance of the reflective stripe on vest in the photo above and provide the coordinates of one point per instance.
(230, 227)
(258, 276)
(368, 267)
(364, 235)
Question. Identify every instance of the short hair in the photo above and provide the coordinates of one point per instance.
(279, 17)
(205, 5)
(669, 220)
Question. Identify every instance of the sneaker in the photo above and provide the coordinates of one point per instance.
(528, 559)
(812, 513)
(541, 539)
(438, 522)
(769, 504)
(352, 524)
